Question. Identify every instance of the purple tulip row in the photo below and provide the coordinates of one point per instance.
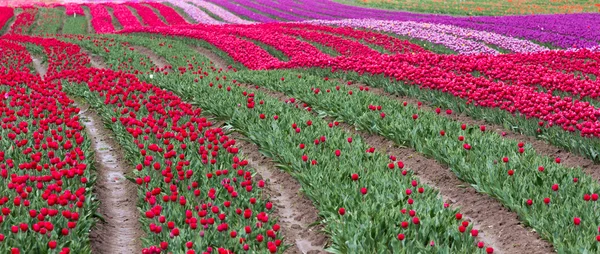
(560, 30)
(241, 10)
(224, 14)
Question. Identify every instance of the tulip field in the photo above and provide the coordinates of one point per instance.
(299, 126)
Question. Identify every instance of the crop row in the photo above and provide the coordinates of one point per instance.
(376, 190)
(194, 189)
(24, 20)
(561, 30)
(194, 12)
(46, 202)
(553, 184)
(570, 114)
(462, 40)
(510, 171)
(148, 16)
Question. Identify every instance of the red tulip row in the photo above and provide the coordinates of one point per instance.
(339, 44)
(74, 9)
(45, 200)
(60, 55)
(101, 19)
(572, 115)
(5, 14)
(171, 16)
(173, 143)
(428, 71)
(197, 193)
(529, 70)
(24, 20)
(570, 61)
(317, 150)
(124, 16)
(148, 16)
(14, 57)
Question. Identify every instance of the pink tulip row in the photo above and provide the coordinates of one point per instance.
(124, 16)
(74, 9)
(462, 40)
(148, 16)
(101, 19)
(389, 43)
(222, 13)
(194, 12)
(529, 70)
(170, 15)
(5, 14)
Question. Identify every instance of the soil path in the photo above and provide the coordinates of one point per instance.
(157, 60)
(498, 226)
(39, 67)
(120, 232)
(219, 62)
(95, 61)
(88, 17)
(295, 212)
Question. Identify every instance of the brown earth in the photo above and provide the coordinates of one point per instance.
(120, 231)
(294, 211)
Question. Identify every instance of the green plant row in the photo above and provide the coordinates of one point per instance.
(479, 159)
(371, 222)
(572, 142)
(49, 21)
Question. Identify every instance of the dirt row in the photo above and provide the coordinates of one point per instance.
(119, 231)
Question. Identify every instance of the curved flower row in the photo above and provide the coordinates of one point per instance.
(183, 168)
(240, 10)
(566, 112)
(299, 9)
(339, 44)
(529, 70)
(224, 14)
(563, 30)
(46, 200)
(389, 43)
(74, 9)
(414, 30)
(170, 15)
(194, 12)
(101, 19)
(148, 16)
(266, 8)
(571, 115)
(6, 13)
(196, 192)
(124, 16)
(14, 57)
(24, 20)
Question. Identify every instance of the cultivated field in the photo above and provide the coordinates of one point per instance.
(299, 126)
